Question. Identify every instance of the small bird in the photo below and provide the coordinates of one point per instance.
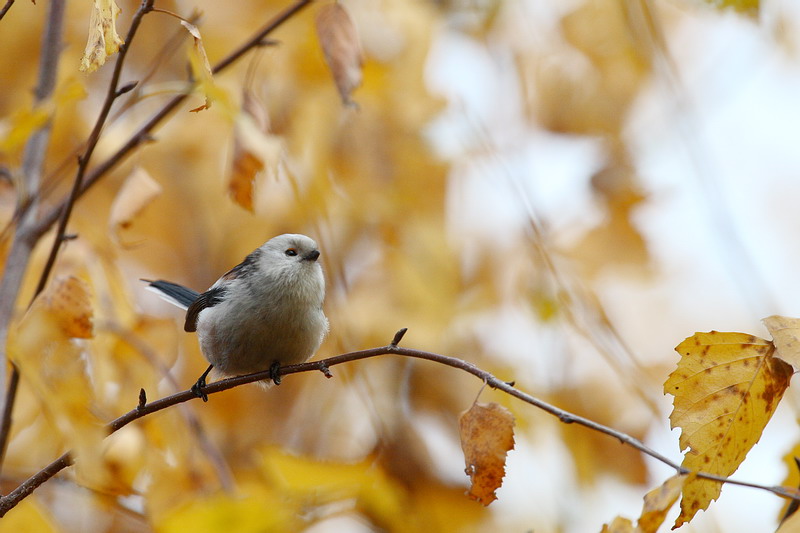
(263, 313)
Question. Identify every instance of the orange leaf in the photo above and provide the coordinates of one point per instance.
(785, 333)
(103, 38)
(487, 434)
(726, 387)
(339, 39)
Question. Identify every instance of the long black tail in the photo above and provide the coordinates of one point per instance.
(172, 292)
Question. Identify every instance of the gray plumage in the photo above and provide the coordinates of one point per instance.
(267, 310)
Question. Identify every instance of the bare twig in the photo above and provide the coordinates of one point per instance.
(32, 163)
(94, 137)
(5, 9)
(13, 498)
(38, 143)
(144, 133)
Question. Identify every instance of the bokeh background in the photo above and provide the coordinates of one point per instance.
(556, 191)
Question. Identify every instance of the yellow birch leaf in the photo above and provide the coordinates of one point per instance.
(339, 40)
(748, 7)
(487, 434)
(726, 388)
(136, 193)
(22, 123)
(619, 525)
(29, 517)
(103, 38)
(785, 333)
(256, 510)
(659, 501)
(201, 68)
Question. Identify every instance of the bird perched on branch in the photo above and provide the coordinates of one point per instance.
(263, 313)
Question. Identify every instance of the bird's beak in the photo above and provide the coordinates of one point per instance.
(313, 255)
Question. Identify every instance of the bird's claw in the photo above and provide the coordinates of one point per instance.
(274, 375)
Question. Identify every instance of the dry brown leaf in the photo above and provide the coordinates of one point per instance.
(136, 193)
(103, 38)
(726, 388)
(487, 434)
(253, 149)
(785, 333)
(201, 68)
(340, 44)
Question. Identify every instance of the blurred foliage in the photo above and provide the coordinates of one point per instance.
(331, 139)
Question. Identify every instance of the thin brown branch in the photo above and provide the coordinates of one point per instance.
(26, 488)
(143, 134)
(94, 137)
(44, 88)
(5, 9)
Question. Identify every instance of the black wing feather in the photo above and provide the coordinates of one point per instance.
(210, 298)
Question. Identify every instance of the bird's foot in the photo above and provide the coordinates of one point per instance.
(274, 375)
(198, 387)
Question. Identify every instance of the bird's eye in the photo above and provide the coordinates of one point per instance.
(291, 252)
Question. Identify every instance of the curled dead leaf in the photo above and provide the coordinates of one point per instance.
(487, 434)
(103, 38)
(254, 149)
(340, 44)
(201, 67)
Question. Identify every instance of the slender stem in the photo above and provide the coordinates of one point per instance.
(5, 9)
(13, 498)
(32, 164)
(8, 408)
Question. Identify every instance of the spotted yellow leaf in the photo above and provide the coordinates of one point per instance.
(726, 388)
